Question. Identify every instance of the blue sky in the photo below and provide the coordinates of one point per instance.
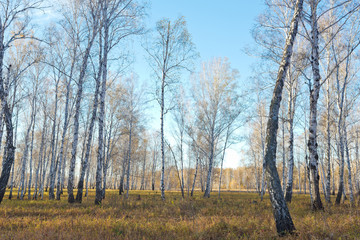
(218, 29)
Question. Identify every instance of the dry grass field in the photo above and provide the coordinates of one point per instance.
(145, 216)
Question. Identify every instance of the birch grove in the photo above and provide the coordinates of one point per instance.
(77, 118)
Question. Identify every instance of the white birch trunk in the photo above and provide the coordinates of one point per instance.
(38, 169)
(53, 146)
(64, 167)
(348, 166)
(129, 160)
(262, 193)
(44, 167)
(182, 165)
(25, 156)
(341, 134)
(13, 164)
(87, 179)
(1, 125)
(100, 154)
(153, 170)
(284, 223)
(162, 184)
(81, 79)
(121, 187)
(283, 156)
(162, 106)
(223, 156)
(65, 127)
(195, 174)
(211, 162)
(84, 163)
(328, 138)
(299, 167)
(316, 203)
(107, 159)
(31, 149)
(142, 187)
(9, 148)
(291, 115)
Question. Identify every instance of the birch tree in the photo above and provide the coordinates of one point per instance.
(21, 58)
(11, 32)
(270, 33)
(293, 89)
(284, 223)
(216, 99)
(90, 130)
(314, 96)
(344, 10)
(41, 157)
(180, 115)
(52, 174)
(22, 186)
(133, 103)
(170, 52)
(37, 78)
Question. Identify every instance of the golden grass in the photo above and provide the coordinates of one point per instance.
(234, 216)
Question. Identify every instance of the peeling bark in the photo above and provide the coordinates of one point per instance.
(284, 223)
(291, 115)
(316, 203)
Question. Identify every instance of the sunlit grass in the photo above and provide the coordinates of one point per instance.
(145, 216)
